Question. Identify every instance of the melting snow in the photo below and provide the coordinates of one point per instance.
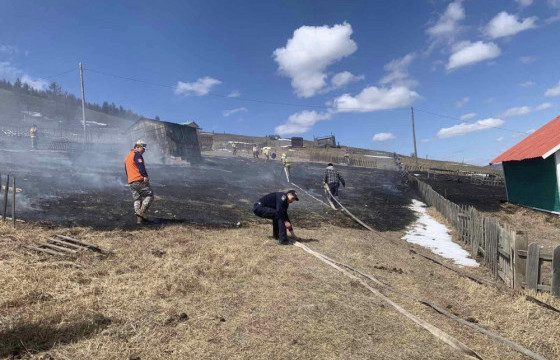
(429, 233)
(379, 156)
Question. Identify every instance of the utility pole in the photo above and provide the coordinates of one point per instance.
(414, 136)
(84, 102)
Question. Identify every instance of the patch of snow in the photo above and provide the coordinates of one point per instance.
(416, 174)
(284, 139)
(429, 233)
(379, 156)
(32, 113)
(96, 123)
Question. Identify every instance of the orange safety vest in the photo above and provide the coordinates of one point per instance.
(132, 171)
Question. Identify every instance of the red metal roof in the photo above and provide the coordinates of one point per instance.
(538, 144)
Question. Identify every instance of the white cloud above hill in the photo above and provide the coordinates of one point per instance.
(200, 87)
(301, 122)
(309, 52)
(383, 137)
(466, 128)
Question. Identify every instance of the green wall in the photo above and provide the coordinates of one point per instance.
(533, 182)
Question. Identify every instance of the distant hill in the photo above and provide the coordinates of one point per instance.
(22, 110)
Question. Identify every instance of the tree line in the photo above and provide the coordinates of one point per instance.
(56, 93)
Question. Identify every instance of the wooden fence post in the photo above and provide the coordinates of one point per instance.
(555, 286)
(14, 201)
(520, 263)
(5, 204)
(533, 266)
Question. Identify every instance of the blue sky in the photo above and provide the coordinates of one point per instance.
(307, 67)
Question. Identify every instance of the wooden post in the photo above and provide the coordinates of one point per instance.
(555, 286)
(533, 266)
(520, 263)
(14, 201)
(5, 204)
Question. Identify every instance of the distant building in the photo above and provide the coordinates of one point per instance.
(297, 142)
(532, 169)
(324, 141)
(171, 139)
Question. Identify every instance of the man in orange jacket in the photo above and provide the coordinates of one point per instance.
(138, 181)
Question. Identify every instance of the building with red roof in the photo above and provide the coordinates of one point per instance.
(532, 169)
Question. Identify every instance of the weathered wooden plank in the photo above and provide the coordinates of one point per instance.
(64, 243)
(83, 243)
(520, 263)
(14, 201)
(543, 257)
(58, 248)
(47, 251)
(533, 267)
(555, 284)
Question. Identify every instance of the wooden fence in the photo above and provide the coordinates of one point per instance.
(5, 190)
(503, 250)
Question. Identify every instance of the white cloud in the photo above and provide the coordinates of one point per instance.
(462, 102)
(12, 73)
(516, 111)
(543, 106)
(37, 84)
(505, 24)
(553, 91)
(200, 87)
(468, 116)
(527, 84)
(8, 49)
(447, 26)
(383, 137)
(229, 112)
(524, 3)
(500, 139)
(374, 99)
(398, 71)
(344, 78)
(464, 128)
(524, 110)
(301, 122)
(310, 51)
(234, 94)
(528, 59)
(466, 53)
(554, 3)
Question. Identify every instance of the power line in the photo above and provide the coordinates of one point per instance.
(60, 74)
(322, 107)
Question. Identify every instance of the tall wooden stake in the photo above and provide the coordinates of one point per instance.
(14, 200)
(5, 203)
(414, 135)
(83, 101)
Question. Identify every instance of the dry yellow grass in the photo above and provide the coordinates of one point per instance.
(180, 292)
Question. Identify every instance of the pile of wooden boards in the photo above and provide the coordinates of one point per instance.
(64, 246)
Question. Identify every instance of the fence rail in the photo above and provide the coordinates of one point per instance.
(503, 250)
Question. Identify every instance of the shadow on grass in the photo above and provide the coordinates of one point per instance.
(36, 337)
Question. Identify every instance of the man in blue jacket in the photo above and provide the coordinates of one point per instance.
(274, 206)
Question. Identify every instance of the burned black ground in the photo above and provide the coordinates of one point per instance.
(459, 190)
(220, 191)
